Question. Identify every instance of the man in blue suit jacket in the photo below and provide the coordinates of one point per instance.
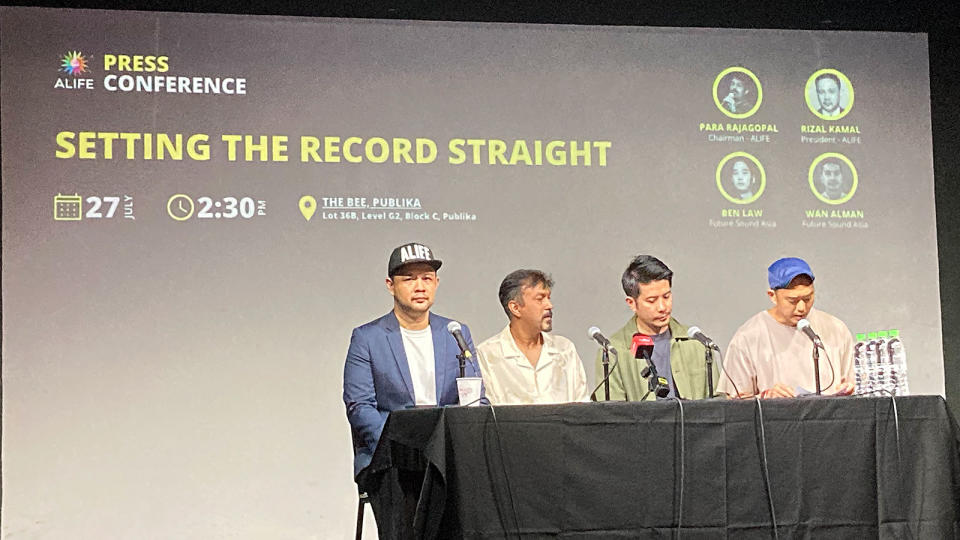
(405, 358)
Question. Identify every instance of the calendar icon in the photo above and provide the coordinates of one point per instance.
(67, 207)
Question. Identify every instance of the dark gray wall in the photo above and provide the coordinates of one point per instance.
(941, 21)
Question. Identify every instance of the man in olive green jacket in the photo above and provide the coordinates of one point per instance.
(647, 283)
(687, 363)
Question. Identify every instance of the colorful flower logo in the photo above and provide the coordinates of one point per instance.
(74, 63)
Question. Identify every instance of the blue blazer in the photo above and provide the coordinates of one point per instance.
(376, 377)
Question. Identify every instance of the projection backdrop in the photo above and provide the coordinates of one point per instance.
(197, 209)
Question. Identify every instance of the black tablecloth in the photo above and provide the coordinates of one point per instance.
(835, 468)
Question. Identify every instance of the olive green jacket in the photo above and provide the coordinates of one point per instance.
(687, 362)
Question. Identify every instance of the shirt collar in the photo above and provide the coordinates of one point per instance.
(509, 348)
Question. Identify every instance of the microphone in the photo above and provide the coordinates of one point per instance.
(804, 326)
(454, 328)
(595, 335)
(642, 346)
(694, 332)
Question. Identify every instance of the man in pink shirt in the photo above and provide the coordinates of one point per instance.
(769, 357)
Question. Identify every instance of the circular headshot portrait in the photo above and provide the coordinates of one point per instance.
(833, 178)
(829, 94)
(741, 178)
(737, 92)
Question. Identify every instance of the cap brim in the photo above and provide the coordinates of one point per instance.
(787, 281)
(434, 263)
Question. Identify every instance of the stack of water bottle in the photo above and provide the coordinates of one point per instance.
(880, 362)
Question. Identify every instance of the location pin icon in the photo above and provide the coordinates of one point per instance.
(308, 205)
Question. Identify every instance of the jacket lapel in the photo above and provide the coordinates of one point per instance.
(637, 382)
(439, 354)
(395, 339)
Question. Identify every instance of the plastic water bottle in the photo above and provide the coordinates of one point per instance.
(898, 356)
(885, 376)
(871, 362)
(858, 363)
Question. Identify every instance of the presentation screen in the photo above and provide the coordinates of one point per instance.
(197, 210)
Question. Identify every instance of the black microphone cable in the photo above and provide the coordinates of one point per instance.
(896, 430)
(506, 478)
(472, 402)
(896, 433)
(896, 427)
(766, 471)
(900, 477)
(683, 458)
(724, 371)
(833, 372)
(616, 361)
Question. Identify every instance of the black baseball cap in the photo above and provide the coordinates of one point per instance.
(413, 252)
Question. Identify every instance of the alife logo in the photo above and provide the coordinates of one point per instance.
(414, 251)
(74, 63)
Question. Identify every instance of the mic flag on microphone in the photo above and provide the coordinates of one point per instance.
(454, 328)
(642, 346)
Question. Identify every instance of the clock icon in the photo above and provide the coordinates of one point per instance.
(180, 207)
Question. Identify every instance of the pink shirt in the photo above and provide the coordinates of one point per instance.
(764, 352)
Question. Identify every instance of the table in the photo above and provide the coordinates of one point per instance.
(833, 468)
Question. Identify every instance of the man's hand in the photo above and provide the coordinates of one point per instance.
(845, 389)
(779, 390)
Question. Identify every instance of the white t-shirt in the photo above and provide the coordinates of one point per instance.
(418, 345)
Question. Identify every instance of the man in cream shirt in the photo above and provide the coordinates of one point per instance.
(768, 357)
(524, 364)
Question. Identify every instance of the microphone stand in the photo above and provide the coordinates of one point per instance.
(606, 374)
(463, 365)
(653, 381)
(708, 358)
(816, 366)
(649, 373)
